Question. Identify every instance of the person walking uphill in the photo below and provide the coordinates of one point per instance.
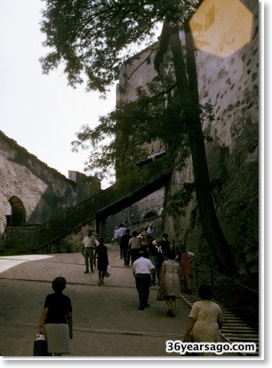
(125, 248)
(56, 319)
(88, 247)
(142, 270)
(102, 260)
(205, 319)
(170, 280)
(120, 232)
(134, 245)
(186, 258)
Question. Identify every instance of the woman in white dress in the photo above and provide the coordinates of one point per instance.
(170, 280)
(205, 318)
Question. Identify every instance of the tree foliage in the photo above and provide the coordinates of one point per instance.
(92, 38)
(120, 136)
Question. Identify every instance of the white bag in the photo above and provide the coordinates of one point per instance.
(108, 272)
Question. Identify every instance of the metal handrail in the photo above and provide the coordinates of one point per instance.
(240, 299)
(212, 272)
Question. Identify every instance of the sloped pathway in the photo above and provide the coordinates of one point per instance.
(107, 322)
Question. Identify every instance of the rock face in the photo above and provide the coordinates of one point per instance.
(31, 192)
(230, 86)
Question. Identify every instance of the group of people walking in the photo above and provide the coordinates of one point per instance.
(153, 261)
(159, 260)
(157, 249)
(205, 318)
(169, 268)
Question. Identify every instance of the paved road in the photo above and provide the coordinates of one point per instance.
(107, 322)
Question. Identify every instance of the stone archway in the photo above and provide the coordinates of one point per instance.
(16, 214)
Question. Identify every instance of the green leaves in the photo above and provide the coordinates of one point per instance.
(93, 37)
(180, 199)
(91, 40)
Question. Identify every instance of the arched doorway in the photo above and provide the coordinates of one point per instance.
(16, 214)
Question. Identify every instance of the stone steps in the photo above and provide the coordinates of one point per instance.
(234, 329)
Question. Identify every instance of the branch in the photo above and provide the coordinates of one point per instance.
(152, 98)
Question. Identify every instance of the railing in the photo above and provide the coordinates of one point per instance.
(240, 299)
(87, 210)
(100, 204)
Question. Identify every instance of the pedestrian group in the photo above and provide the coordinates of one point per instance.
(154, 262)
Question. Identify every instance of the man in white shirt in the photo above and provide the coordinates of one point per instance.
(88, 247)
(120, 232)
(142, 270)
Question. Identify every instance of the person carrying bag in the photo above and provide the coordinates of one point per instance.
(40, 346)
(56, 320)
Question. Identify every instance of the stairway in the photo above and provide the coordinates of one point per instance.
(142, 182)
(234, 329)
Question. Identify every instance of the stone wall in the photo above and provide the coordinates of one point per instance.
(31, 192)
(230, 85)
(20, 238)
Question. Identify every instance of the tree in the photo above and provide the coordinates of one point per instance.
(92, 39)
(130, 126)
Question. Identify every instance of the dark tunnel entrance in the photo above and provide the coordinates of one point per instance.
(16, 214)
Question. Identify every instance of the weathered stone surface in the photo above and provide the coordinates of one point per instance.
(230, 85)
(41, 191)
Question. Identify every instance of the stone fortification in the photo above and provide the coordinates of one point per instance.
(231, 86)
(31, 192)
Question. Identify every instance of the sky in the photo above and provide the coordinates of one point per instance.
(41, 112)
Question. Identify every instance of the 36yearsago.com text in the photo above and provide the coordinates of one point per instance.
(218, 348)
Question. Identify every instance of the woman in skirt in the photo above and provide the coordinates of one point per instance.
(56, 319)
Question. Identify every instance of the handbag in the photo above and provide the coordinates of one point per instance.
(40, 346)
(161, 294)
(108, 272)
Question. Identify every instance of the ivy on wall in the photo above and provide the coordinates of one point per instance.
(180, 199)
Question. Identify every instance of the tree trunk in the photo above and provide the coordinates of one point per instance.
(188, 92)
